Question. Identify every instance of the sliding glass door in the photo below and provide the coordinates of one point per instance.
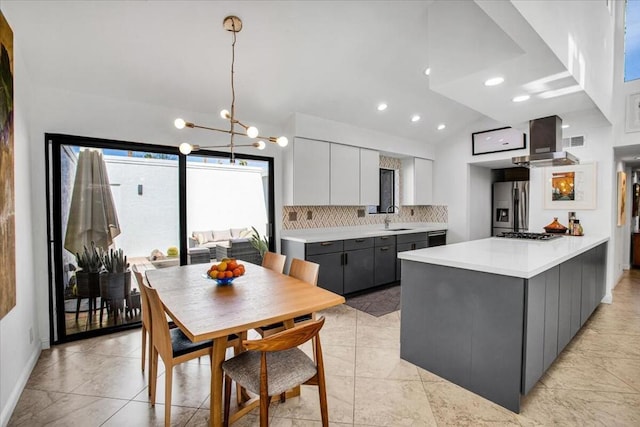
(151, 204)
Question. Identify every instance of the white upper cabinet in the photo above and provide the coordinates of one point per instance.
(320, 173)
(345, 175)
(417, 181)
(310, 172)
(369, 177)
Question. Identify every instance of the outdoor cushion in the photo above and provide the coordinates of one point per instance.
(237, 232)
(219, 235)
(203, 236)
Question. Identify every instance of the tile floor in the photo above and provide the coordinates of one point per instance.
(595, 381)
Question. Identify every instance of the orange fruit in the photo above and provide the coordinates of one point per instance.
(232, 265)
(214, 267)
(221, 275)
(229, 274)
(237, 272)
(213, 274)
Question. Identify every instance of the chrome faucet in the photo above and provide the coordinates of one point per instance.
(387, 220)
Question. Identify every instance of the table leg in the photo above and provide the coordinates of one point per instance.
(217, 357)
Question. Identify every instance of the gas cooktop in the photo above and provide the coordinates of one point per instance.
(528, 236)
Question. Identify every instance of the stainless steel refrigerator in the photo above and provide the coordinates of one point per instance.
(510, 210)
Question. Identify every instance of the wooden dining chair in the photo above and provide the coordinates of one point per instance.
(306, 271)
(145, 317)
(274, 261)
(275, 364)
(172, 345)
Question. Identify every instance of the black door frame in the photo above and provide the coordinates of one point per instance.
(53, 143)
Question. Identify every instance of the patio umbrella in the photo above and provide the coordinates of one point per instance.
(92, 214)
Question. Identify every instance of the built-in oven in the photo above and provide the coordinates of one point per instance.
(437, 238)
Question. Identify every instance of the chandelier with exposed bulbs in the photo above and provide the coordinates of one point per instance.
(233, 24)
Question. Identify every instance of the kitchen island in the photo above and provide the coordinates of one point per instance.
(491, 315)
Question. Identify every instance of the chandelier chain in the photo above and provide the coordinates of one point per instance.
(233, 88)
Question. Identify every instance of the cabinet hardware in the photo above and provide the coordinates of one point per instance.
(413, 246)
(384, 237)
(326, 243)
(346, 258)
(360, 240)
(384, 248)
(436, 233)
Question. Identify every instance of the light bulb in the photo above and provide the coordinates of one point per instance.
(185, 148)
(441, 126)
(252, 131)
(225, 114)
(415, 118)
(520, 98)
(282, 141)
(382, 107)
(260, 145)
(179, 123)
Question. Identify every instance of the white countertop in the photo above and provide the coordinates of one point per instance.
(509, 257)
(313, 235)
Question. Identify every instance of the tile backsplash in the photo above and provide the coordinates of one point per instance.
(346, 216)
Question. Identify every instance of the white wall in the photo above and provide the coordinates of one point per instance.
(18, 353)
(581, 34)
(453, 178)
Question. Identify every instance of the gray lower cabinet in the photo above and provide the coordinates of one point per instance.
(409, 242)
(330, 256)
(385, 260)
(346, 266)
(358, 269)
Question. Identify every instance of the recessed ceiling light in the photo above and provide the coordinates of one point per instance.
(427, 71)
(415, 118)
(441, 126)
(382, 107)
(565, 126)
(521, 98)
(494, 81)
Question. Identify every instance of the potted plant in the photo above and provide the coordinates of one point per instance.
(260, 243)
(88, 277)
(115, 280)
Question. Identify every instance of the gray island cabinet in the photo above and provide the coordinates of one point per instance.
(492, 315)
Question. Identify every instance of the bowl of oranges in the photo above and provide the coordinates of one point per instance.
(225, 271)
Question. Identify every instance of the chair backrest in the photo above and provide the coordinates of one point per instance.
(289, 338)
(159, 325)
(146, 311)
(306, 271)
(274, 261)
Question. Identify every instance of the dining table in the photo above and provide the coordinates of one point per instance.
(204, 310)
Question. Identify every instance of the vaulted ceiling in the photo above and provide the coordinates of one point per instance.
(335, 60)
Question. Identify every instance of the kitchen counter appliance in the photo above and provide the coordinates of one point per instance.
(529, 236)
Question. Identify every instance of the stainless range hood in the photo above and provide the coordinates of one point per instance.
(545, 140)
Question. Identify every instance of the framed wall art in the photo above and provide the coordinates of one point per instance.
(632, 123)
(496, 140)
(622, 197)
(7, 200)
(570, 187)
